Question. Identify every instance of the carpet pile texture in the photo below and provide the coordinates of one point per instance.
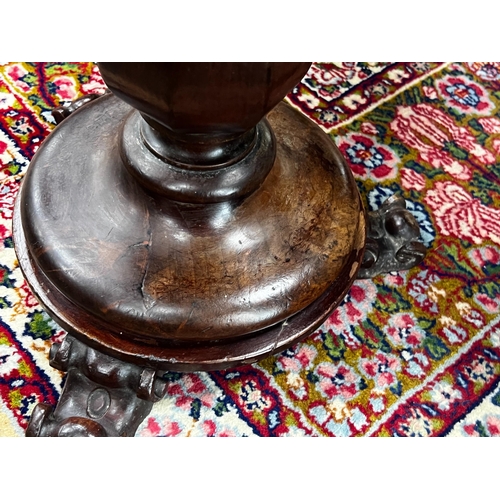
(413, 353)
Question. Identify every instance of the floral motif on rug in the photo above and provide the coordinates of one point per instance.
(414, 353)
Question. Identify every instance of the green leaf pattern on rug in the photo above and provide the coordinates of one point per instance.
(40, 326)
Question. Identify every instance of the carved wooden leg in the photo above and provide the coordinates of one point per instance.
(102, 396)
(392, 240)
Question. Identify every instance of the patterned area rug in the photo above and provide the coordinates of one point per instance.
(415, 353)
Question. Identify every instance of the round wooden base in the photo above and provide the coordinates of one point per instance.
(187, 286)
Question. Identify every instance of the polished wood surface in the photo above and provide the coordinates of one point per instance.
(202, 114)
(220, 257)
(166, 270)
(102, 396)
(184, 356)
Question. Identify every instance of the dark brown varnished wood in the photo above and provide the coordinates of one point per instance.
(62, 112)
(179, 356)
(154, 268)
(191, 233)
(101, 397)
(392, 242)
(202, 114)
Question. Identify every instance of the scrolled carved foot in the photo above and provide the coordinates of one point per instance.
(102, 396)
(392, 242)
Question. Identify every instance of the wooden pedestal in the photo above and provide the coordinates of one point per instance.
(183, 236)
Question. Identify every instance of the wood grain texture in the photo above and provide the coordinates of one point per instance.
(202, 113)
(191, 272)
(198, 278)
